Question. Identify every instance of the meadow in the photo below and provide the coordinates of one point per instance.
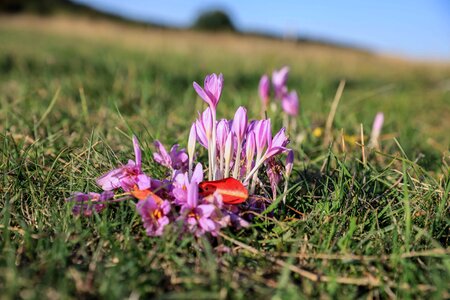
(358, 222)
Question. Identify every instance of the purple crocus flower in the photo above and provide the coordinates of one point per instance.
(182, 180)
(277, 145)
(222, 132)
(228, 154)
(249, 150)
(126, 177)
(175, 160)
(279, 79)
(289, 102)
(211, 90)
(191, 147)
(86, 204)
(154, 215)
(198, 217)
(264, 90)
(262, 134)
(289, 163)
(204, 127)
(239, 125)
(239, 128)
(223, 129)
(376, 130)
(289, 166)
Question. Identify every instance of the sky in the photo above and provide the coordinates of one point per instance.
(413, 28)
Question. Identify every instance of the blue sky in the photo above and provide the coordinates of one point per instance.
(415, 28)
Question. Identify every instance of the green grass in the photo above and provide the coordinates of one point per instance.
(68, 105)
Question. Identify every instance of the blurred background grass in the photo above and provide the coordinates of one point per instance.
(147, 73)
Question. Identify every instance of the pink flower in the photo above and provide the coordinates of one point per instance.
(86, 204)
(154, 215)
(181, 182)
(175, 160)
(289, 102)
(204, 127)
(376, 130)
(279, 79)
(223, 128)
(127, 176)
(197, 216)
(211, 90)
(239, 126)
(249, 150)
(264, 90)
(289, 163)
(277, 145)
(262, 132)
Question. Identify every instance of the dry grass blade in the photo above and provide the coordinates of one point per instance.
(358, 281)
(330, 119)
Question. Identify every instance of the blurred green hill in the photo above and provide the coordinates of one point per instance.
(213, 20)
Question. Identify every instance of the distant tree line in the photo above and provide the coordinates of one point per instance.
(35, 6)
(215, 20)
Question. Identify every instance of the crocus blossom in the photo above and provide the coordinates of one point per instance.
(278, 144)
(127, 176)
(154, 214)
(279, 79)
(262, 134)
(239, 128)
(239, 125)
(202, 206)
(289, 163)
(182, 181)
(204, 127)
(288, 167)
(289, 103)
(211, 91)
(175, 159)
(264, 90)
(198, 217)
(376, 130)
(86, 204)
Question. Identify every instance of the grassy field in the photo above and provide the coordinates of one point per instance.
(73, 90)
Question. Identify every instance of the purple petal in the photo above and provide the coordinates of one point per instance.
(137, 152)
(205, 210)
(264, 89)
(162, 157)
(240, 123)
(289, 162)
(192, 194)
(202, 93)
(201, 134)
(289, 103)
(110, 180)
(143, 182)
(279, 79)
(197, 175)
(222, 133)
(250, 146)
(207, 224)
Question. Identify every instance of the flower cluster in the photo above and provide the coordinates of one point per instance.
(289, 100)
(237, 150)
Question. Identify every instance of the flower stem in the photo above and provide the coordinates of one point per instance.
(221, 165)
(214, 145)
(255, 169)
(255, 175)
(237, 161)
